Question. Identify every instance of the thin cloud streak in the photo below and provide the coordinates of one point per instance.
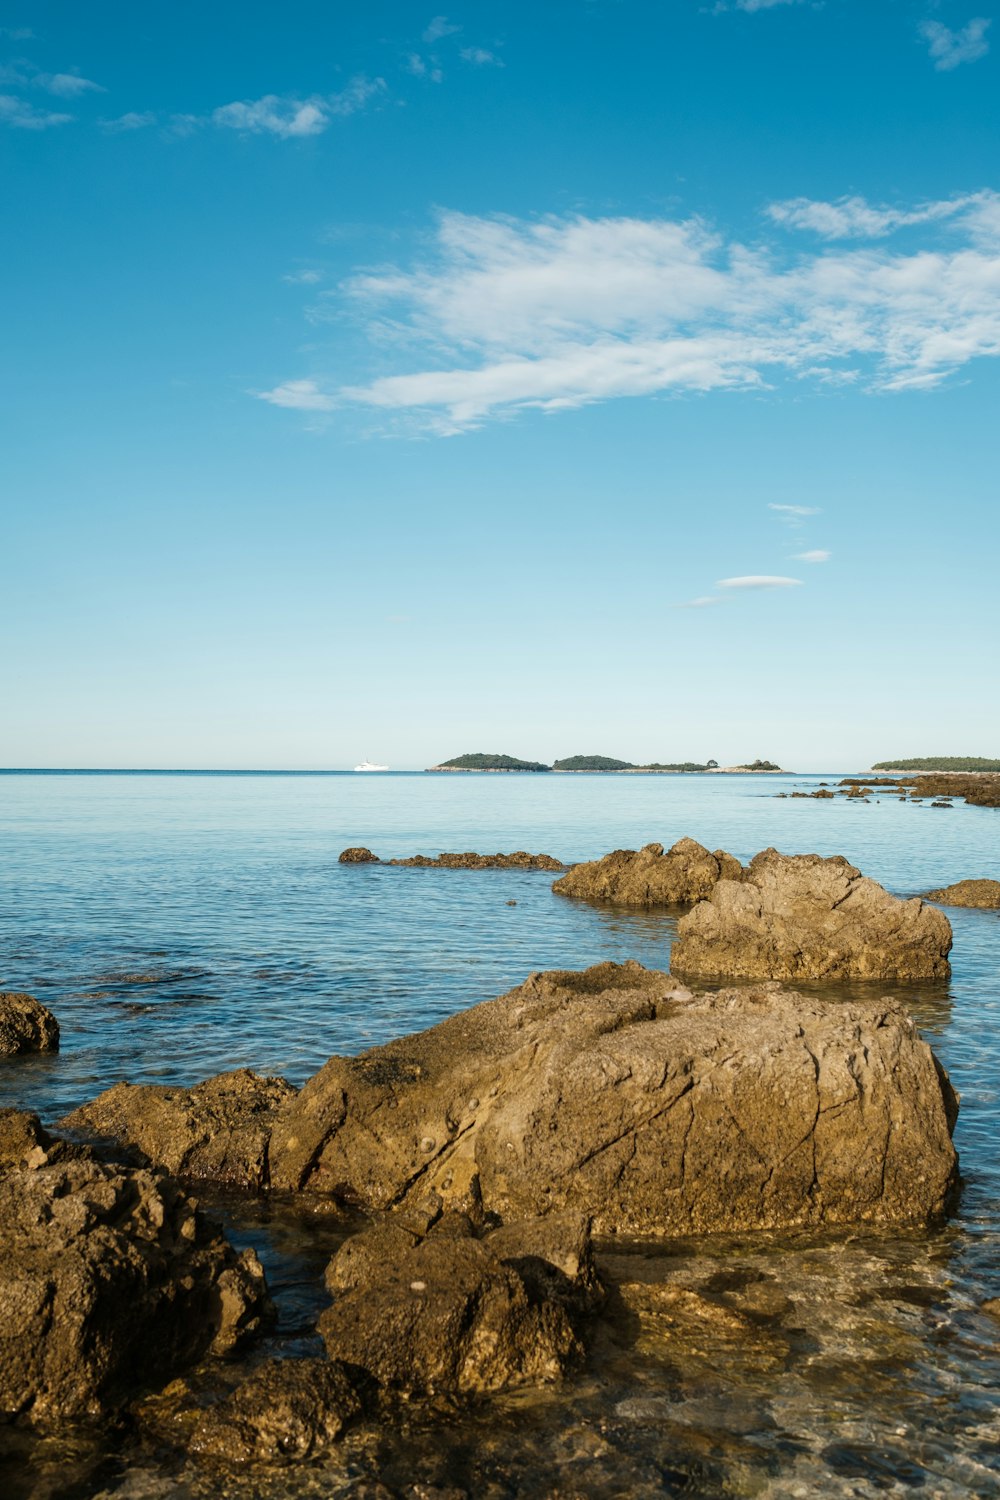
(291, 118)
(816, 555)
(949, 49)
(23, 116)
(297, 395)
(795, 510)
(759, 581)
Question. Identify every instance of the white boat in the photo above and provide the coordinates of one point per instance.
(368, 765)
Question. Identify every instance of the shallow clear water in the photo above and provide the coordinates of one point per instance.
(183, 924)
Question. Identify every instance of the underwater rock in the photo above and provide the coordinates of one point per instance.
(803, 917)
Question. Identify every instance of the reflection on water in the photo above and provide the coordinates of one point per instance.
(181, 926)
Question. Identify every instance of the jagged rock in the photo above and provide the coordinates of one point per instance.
(981, 893)
(24, 1142)
(616, 1093)
(109, 1281)
(26, 1025)
(219, 1129)
(450, 1313)
(803, 917)
(287, 1409)
(648, 877)
(519, 860)
(358, 856)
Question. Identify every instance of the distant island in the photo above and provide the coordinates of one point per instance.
(939, 763)
(480, 761)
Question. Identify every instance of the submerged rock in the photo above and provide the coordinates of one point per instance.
(26, 1025)
(358, 856)
(648, 877)
(287, 1409)
(981, 893)
(219, 1129)
(616, 1093)
(447, 1312)
(110, 1280)
(804, 917)
(519, 860)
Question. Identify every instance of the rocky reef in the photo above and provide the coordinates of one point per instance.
(976, 893)
(26, 1025)
(804, 917)
(649, 877)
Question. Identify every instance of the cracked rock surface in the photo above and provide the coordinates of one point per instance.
(648, 877)
(798, 916)
(217, 1130)
(109, 1281)
(617, 1093)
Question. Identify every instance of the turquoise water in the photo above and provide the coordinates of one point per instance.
(182, 924)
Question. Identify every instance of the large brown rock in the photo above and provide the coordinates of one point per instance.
(648, 877)
(802, 917)
(287, 1409)
(109, 1281)
(26, 1025)
(450, 1313)
(616, 1093)
(218, 1130)
(981, 893)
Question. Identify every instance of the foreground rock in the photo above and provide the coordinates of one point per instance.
(110, 1281)
(981, 893)
(616, 1093)
(218, 1130)
(26, 1025)
(803, 917)
(648, 877)
(288, 1409)
(447, 1312)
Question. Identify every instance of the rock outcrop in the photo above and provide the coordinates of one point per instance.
(648, 877)
(26, 1025)
(110, 1280)
(616, 1093)
(288, 1409)
(803, 917)
(447, 1312)
(218, 1130)
(358, 856)
(519, 860)
(981, 893)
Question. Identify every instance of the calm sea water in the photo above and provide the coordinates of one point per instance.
(181, 924)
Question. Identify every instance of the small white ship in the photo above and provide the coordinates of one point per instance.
(368, 765)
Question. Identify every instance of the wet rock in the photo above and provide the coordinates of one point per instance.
(981, 893)
(451, 1313)
(803, 917)
(25, 1143)
(358, 856)
(218, 1130)
(287, 1409)
(519, 860)
(109, 1281)
(616, 1093)
(26, 1025)
(648, 877)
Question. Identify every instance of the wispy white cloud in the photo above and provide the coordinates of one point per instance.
(67, 85)
(303, 278)
(817, 555)
(298, 395)
(704, 602)
(481, 57)
(290, 118)
(131, 121)
(951, 48)
(752, 5)
(17, 33)
(438, 28)
(503, 313)
(23, 116)
(855, 218)
(759, 581)
(795, 510)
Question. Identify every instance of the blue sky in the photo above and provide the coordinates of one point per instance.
(603, 376)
